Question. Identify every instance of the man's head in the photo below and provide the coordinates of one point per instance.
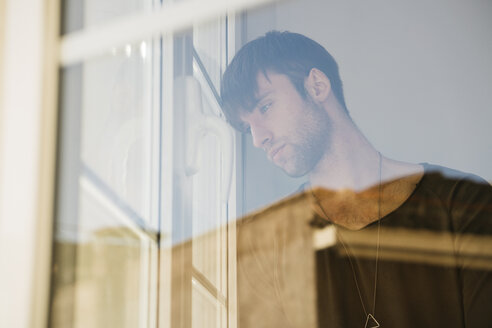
(291, 54)
(275, 87)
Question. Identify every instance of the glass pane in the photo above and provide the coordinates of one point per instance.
(105, 241)
(207, 311)
(207, 221)
(382, 55)
(209, 46)
(79, 14)
(366, 163)
(209, 217)
(202, 159)
(116, 122)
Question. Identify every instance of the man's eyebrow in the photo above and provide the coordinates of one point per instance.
(261, 97)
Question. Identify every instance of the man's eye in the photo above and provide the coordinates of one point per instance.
(265, 108)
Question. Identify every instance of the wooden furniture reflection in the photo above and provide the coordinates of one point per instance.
(99, 282)
(276, 266)
(276, 258)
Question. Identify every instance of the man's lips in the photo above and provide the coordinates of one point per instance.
(274, 152)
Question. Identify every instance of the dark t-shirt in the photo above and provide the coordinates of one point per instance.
(413, 293)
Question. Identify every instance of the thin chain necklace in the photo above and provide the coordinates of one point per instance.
(371, 321)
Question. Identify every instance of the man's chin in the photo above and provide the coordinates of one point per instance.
(294, 172)
(296, 167)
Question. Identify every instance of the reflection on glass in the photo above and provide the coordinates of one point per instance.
(367, 240)
(203, 163)
(403, 243)
(116, 124)
(79, 14)
(105, 241)
(209, 46)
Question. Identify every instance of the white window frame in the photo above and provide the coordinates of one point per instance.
(27, 154)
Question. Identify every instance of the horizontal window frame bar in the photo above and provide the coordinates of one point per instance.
(97, 40)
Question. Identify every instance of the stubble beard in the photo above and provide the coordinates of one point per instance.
(309, 142)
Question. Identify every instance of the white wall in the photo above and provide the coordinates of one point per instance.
(417, 75)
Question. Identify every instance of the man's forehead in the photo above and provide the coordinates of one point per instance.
(266, 84)
(263, 83)
(263, 88)
(271, 82)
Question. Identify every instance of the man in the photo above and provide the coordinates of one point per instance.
(285, 90)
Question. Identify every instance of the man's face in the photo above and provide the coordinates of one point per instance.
(293, 131)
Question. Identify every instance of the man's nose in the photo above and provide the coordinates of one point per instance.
(261, 136)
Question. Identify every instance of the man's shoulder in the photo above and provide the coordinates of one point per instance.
(456, 189)
(455, 200)
(442, 173)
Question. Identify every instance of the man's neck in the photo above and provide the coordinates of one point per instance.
(349, 176)
(355, 210)
(349, 161)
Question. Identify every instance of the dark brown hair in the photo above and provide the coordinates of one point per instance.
(286, 53)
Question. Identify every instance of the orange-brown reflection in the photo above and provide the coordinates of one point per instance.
(430, 256)
(98, 282)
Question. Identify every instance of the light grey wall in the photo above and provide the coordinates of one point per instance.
(417, 78)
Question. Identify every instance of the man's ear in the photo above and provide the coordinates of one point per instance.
(317, 85)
